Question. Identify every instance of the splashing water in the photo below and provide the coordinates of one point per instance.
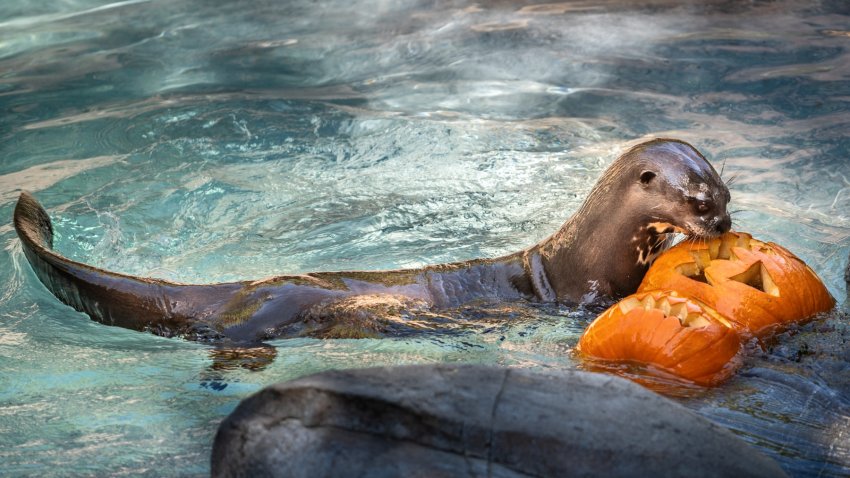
(212, 141)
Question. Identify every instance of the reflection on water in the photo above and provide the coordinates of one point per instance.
(210, 141)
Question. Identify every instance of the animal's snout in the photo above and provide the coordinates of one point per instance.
(723, 223)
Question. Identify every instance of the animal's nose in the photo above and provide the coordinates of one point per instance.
(724, 224)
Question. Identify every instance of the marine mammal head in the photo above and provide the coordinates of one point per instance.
(654, 189)
(677, 189)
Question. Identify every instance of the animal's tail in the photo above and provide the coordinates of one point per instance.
(165, 308)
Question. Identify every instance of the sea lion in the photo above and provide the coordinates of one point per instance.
(653, 190)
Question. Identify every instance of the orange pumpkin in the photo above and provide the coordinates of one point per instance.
(673, 333)
(757, 286)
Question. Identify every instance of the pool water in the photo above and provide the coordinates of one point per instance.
(206, 141)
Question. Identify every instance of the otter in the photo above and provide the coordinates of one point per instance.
(653, 190)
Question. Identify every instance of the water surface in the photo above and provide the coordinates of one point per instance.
(206, 141)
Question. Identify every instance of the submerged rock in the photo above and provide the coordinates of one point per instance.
(450, 420)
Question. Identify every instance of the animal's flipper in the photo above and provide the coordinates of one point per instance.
(165, 308)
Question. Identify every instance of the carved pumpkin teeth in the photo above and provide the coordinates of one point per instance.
(679, 311)
(702, 258)
(626, 305)
(695, 320)
(724, 248)
(663, 306)
(687, 312)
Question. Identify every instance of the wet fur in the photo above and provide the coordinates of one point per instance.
(602, 251)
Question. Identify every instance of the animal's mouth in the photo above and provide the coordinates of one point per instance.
(714, 228)
(692, 230)
(697, 232)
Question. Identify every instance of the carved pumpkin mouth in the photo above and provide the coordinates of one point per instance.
(689, 313)
(661, 329)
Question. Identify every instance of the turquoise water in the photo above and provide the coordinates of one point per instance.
(204, 141)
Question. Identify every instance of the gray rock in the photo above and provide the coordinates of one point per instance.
(450, 420)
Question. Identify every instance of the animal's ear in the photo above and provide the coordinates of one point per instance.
(646, 177)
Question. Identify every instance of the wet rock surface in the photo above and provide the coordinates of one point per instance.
(451, 420)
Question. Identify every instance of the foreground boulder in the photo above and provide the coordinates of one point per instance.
(452, 420)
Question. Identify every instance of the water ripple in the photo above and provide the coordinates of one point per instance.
(211, 141)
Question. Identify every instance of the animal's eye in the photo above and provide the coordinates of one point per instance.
(703, 206)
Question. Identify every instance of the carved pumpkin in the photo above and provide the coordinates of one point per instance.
(663, 329)
(757, 286)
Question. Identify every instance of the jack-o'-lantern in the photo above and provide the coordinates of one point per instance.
(661, 328)
(757, 286)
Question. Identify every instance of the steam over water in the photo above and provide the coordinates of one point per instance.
(207, 141)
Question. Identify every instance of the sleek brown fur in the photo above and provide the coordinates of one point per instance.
(654, 189)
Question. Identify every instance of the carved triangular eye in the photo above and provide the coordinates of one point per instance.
(758, 278)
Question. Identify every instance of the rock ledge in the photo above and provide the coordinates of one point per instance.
(450, 420)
